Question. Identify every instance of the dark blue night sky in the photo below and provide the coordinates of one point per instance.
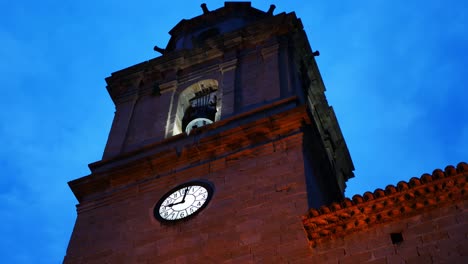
(396, 74)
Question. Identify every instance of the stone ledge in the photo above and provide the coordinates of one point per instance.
(197, 134)
(120, 173)
(125, 82)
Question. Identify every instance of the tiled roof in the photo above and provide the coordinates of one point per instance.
(394, 203)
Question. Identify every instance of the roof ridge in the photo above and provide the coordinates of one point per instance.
(404, 200)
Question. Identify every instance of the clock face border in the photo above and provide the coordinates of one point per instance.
(205, 184)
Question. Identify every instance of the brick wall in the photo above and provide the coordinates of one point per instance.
(254, 215)
(245, 62)
(424, 220)
(438, 236)
(257, 168)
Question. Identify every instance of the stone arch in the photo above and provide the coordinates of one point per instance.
(187, 102)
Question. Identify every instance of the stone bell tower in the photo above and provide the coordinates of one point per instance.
(217, 147)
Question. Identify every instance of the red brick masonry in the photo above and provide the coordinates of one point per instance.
(430, 212)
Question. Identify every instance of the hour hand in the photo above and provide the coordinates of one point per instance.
(172, 204)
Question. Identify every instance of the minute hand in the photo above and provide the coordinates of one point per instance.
(185, 194)
(183, 199)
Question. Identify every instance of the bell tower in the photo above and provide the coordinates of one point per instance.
(217, 148)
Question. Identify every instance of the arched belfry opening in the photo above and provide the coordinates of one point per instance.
(197, 106)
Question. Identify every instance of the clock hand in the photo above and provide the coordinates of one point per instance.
(185, 194)
(172, 204)
(182, 201)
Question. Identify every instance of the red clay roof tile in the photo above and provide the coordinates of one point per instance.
(392, 204)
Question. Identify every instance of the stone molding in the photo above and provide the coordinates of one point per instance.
(263, 35)
(270, 50)
(228, 65)
(118, 172)
(168, 86)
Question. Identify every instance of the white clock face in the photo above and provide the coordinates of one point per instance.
(183, 202)
(197, 122)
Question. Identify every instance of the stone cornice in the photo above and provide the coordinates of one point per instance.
(269, 51)
(231, 9)
(182, 151)
(383, 206)
(167, 86)
(228, 65)
(167, 65)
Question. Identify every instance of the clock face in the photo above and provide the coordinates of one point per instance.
(197, 122)
(184, 201)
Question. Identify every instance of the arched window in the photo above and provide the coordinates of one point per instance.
(197, 106)
(201, 110)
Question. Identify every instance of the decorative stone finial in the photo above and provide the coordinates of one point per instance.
(158, 49)
(205, 9)
(271, 9)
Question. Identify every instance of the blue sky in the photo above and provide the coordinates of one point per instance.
(396, 74)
